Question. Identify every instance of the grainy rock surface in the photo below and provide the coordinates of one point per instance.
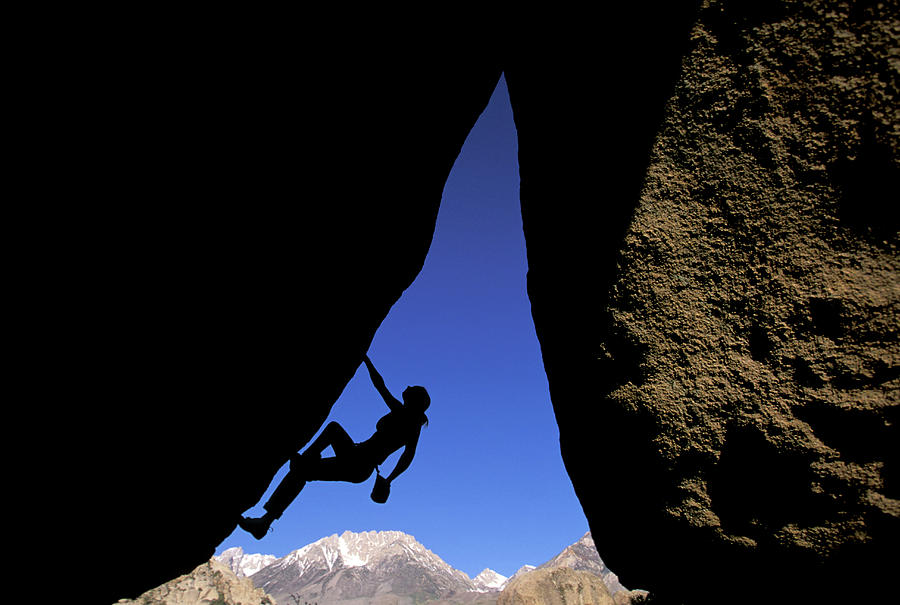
(582, 556)
(210, 584)
(558, 586)
(627, 597)
(755, 315)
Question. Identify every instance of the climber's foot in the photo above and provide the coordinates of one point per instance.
(255, 527)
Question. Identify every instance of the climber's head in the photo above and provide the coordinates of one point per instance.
(416, 399)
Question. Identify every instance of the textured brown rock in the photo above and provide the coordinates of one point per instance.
(559, 586)
(627, 597)
(749, 373)
(210, 584)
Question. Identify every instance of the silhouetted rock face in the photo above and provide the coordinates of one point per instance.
(746, 383)
(241, 247)
(559, 586)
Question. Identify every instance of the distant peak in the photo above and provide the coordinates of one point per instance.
(242, 564)
(489, 580)
(487, 572)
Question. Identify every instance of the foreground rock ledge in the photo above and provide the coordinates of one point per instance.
(209, 584)
(558, 586)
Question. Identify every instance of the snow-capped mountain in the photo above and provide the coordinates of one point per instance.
(244, 565)
(389, 566)
(364, 567)
(489, 581)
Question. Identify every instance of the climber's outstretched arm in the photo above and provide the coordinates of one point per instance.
(405, 460)
(378, 381)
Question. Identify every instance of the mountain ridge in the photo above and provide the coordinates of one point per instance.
(367, 566)
(375, 566)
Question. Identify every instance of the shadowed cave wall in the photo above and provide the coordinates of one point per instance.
(744, 374)
(717, 318)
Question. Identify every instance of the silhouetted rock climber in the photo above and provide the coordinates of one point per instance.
(353, 462)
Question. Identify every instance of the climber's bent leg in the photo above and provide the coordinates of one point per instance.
(350, 467)
(289, 488)
(332, 435)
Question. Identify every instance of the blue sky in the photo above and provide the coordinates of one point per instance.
(488, 487)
